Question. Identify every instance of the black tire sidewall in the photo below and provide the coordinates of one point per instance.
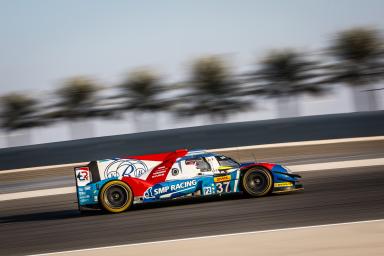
(262, 171)
(103, 195)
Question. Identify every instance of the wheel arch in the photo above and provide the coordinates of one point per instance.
(265, 166)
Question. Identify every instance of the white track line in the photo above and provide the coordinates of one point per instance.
(295, 168)
(45, 168)
(273, 145)
(337, 165)
(208, 237)
(301, 143)
(37, 193)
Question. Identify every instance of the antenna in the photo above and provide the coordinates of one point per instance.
(254, 157)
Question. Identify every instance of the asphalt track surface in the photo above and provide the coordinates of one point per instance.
(52, 223)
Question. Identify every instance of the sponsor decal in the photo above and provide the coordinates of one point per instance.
(282, 184)
(169, 188)
(125, 168)
(82, 174)
(160, 172)
(208, 190)
(222, 178)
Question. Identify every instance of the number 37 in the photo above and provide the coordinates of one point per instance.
(222, 187)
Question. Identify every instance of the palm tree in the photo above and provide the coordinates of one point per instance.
(285, 74)
(211, 90)
(77, 104)
(359, 56)
(19, 112)
(141, 93)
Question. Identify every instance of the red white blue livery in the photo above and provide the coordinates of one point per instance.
(115, 184)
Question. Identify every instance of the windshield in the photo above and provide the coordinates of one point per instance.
(227, 161)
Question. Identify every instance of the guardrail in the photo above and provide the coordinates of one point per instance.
(212, 136)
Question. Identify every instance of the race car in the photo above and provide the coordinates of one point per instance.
(115, 184)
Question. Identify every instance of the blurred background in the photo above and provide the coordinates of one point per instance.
(79, 69)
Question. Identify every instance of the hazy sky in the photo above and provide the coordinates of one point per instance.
(43, 42)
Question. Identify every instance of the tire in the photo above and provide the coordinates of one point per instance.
(257, 182)
(116, 196)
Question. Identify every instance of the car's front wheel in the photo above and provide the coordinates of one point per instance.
(257, 181)
(116, 196)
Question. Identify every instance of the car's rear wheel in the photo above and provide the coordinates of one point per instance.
(116, 196)
(257, 181)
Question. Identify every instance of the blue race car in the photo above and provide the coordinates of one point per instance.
(116, 184)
